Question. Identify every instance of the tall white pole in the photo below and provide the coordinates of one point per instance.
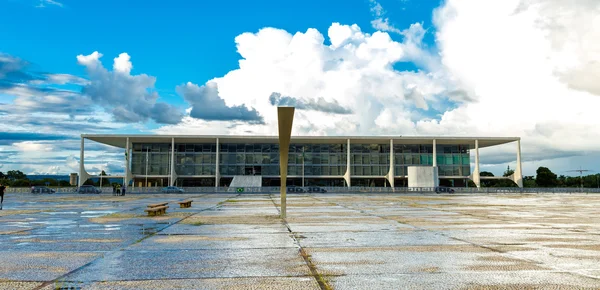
(172, 182)
(127, 164)
(302, 165)
(476, 178)
(434, 153)
(146, 167)
(217, 174)
(81, 166)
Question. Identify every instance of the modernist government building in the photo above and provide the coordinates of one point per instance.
(161, 160)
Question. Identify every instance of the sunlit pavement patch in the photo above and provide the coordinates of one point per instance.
(42, 265)
(183, 264)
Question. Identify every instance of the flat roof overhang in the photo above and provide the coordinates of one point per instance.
(120, 140)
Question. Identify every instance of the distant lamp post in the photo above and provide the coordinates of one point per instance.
(581, 171)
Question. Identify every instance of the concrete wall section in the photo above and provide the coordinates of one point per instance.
(423, 176)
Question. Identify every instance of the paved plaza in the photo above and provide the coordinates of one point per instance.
(329, 241)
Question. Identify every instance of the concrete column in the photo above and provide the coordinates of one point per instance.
(434, 153)
(217, 175)
(83, 175)
(476, 179)
(127, 176)
(391, 176)
(348, 173)
(518, 175)
(81, 168)
(285, 120)
(172, 181)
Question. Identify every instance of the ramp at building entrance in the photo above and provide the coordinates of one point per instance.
(246, 181)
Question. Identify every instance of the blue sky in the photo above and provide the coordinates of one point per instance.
(390, 67)
(188, 41)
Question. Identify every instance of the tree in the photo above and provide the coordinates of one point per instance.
(64, 183)
(50, 181)
(529, 181)
(15, 175)
(508, 172)
(20, 183)
(471, 184)
(2, 176)
(545, 178)
(506, 182)
(487, 182)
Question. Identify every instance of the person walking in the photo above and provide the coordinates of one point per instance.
(2, 188)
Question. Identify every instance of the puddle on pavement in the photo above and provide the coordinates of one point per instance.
(99, 213)
(55, 222)
(59, 212)
(112, 227)
(150, 229)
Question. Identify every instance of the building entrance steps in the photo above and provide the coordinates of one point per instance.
(245, 181)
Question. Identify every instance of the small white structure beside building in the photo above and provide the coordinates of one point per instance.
(423, 176)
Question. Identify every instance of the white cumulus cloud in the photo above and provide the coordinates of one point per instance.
(355, 73)
(380, 22)
(122, 63)
(503, 68)
(129, 98)
(507, 54)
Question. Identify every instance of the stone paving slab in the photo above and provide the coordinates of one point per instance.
(370, 239)
(41, 265)
(255, 283)
(482, 280)
(188, 264)
(21, 285)
(412, 259)
(212, 229)
(325, 227)
(217, 241)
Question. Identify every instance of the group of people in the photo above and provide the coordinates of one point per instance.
(118, 190)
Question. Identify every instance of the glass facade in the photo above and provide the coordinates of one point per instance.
(190, 159)
(263, 159)
(370, 159)
(367, 160)
(452, 160)
(249, 159)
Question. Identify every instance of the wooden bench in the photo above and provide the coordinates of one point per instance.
(185, 203)
(157, 204)
(158, 210)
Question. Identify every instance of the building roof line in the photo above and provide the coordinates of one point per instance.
(294, 137)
